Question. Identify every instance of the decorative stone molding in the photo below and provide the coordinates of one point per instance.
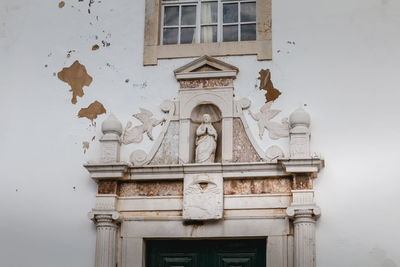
(110, 141)
(114, 171)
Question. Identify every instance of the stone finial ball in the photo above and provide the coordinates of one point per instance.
(111, 125)
(299, 117)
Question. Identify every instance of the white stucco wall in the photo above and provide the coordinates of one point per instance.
(344, 65)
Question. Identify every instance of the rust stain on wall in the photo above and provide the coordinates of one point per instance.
(301, 182)
(77, 77)
(92, 111)
(106, 187)
(266, 85)
(257, 186)
(61, 4)
(153, 188)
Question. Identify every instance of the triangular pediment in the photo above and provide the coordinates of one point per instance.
(206, 67)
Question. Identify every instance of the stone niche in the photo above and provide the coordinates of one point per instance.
(206, 85)
(195, 121)
(244, 192)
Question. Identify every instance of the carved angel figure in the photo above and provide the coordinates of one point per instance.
(276, 130)
(134, 134)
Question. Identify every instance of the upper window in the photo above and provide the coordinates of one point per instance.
(207, 21)
(193, 28)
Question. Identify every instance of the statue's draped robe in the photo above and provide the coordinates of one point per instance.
(206, 143)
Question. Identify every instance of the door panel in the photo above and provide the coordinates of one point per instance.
(206, 253)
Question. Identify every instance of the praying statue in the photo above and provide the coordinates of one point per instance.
(206, 141)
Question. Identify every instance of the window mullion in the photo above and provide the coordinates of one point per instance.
(162, 26)
(239, 22)
(219, 21)
(198, 21)
(179, 24)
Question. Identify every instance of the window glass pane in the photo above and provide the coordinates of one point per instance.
(187, 35)
(209, 13)
(247, 12)
(170, 36)
(230, 13)
(171, 15)
(208, 34)
(188, 15)
(247, 32)
(230, 33)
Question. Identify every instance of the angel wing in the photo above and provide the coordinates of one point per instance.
(277, 130)
(144, 115)
(266, 107)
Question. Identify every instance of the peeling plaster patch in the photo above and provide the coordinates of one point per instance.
(92, 111)
(77, 77)
(61, 4)
(266, 85)
(85, 146)
(95, 47)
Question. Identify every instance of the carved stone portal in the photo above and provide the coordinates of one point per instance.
(203, 196)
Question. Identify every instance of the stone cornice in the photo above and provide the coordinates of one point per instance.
(107, 171)
(304, 165)
(125, 171)
(229, 170)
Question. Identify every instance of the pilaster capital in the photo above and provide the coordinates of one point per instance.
(105, 218)
(296, 211)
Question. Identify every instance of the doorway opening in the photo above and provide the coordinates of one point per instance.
(206, 253)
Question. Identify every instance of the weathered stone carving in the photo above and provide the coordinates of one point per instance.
(273, 153)
(134, 134)
(205, 83)
(299, 134)
(203, 196)
(276, 130)
(110, 141)
(206, 141)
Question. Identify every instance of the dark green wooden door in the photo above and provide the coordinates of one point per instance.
(206, 253)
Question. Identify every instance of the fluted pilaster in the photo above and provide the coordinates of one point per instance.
(106, 238)
(304, 213)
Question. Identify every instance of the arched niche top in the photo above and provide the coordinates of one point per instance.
(224, 106)
(198, 112)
